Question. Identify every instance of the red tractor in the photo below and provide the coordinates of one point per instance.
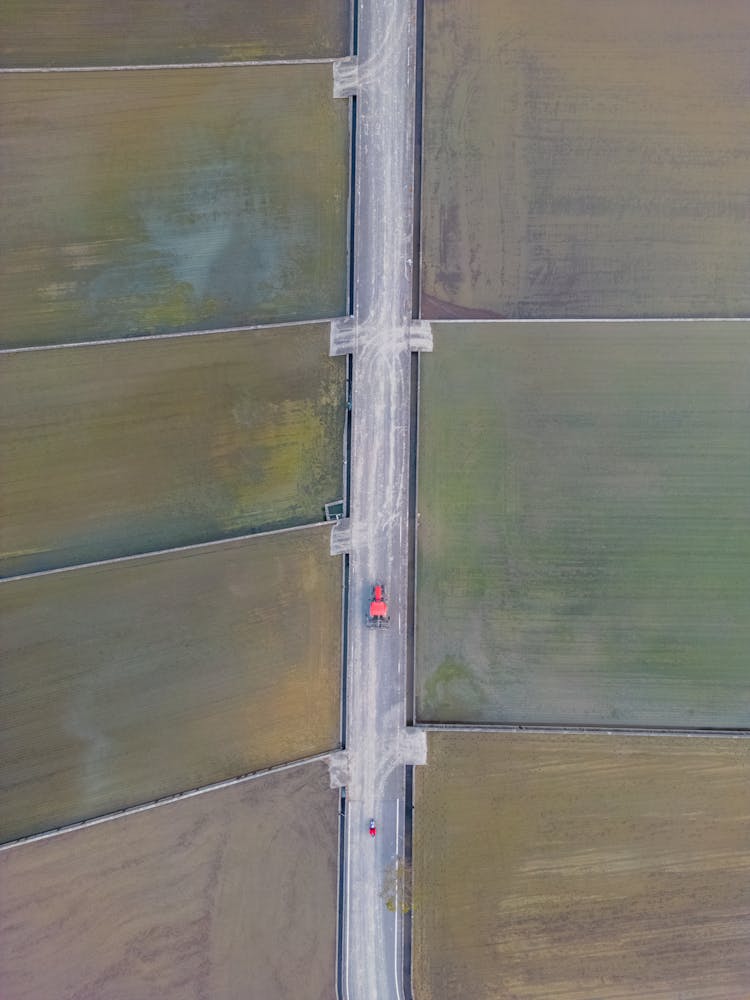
(378, 616)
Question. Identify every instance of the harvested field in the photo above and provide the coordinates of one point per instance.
(90, 33)
(152, 202)
(581, 867)
(584, 547)
(126, 682)
(227, 895)
(113, 449)
(586, 158)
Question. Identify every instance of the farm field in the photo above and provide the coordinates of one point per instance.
(586, 159)
(113, 449)
(166, 902)
(577, 867)
(87, 32)
(130, 681)
(584, 553)
(154, 202)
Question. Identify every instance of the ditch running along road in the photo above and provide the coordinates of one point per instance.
(380, 335)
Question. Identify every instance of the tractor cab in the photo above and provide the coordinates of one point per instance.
(378, 616)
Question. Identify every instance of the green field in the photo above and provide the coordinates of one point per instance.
(91, 33)
(584, 546)
(152, 202)
(127, 682)
(582, 868)
(586, 158)
(166, 903)
(113, 449)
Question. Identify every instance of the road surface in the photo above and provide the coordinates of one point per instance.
(383, 79)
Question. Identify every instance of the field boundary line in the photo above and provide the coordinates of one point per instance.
(163, 801)
(411, 707)
(134, 67)
(164, 552)
(138, 338)
(570, 730)
(602, 319)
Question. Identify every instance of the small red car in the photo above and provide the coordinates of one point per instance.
(373, 829)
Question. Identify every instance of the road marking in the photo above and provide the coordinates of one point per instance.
(347, 881)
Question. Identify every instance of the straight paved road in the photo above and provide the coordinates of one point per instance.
(376, 738)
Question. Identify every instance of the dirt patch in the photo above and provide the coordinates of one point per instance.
(225, 895)
(578, 867)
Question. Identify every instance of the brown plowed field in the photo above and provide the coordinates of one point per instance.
(227, 895)
(582, 868)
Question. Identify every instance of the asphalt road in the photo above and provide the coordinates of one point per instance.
(376, 738)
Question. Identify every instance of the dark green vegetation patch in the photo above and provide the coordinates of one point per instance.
(153, 202)
(584, 546)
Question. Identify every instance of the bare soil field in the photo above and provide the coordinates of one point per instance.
(88, 32)
(586, 158)
(127, 682)
(151, 202)
(584, 552)
(582, 867)
(108, 450)
(226, 895)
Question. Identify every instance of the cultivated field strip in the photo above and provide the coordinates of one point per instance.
(159, 202)
(582, 866)
(87, 33)
(156, 336)
(128, 682)
(139, 556)
(585, 159)
(583, 543)
(226, 895)
(125, 448)
(142, 807)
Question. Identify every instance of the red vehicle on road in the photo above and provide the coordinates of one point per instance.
(378, 616)
(373, 828)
